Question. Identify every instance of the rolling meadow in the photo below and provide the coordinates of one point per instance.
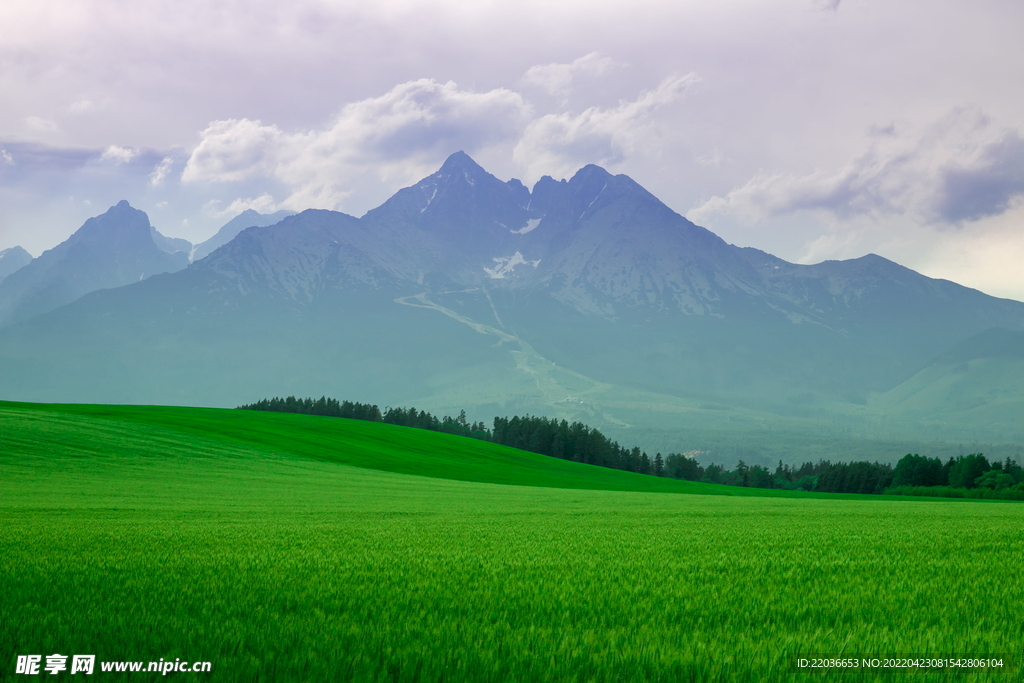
(296, 548)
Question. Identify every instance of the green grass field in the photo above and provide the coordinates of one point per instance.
(293, 548)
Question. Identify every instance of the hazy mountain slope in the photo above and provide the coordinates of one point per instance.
(110, 250)
(13, 259)
(979, 381)
(871, 292)
(627, 291)
(229, 230)
(291, 308)
(170, 245)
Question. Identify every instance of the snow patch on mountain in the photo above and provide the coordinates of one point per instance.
(434, 194)
(505, 265)
(530, 225)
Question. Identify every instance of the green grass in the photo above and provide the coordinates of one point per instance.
(360, 444)
(250, 540)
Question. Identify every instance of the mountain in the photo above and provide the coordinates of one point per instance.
(110, 250)
(456, 220)
(247, 219)
(979, 381)
(666, 306)
(13, 259)
(585, 298)
(170, 245)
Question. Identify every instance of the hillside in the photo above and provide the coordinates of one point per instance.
(979, 382)
(125, 431)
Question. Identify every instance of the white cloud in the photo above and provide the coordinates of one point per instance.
(119, 155)
(264, 204)
(234, 149)
(712, 158)
(561, 143)
(960, 168)
(156, 178)
(8, 159)
(557, 79)
(81, 106)
(40, 125)
(398, 135)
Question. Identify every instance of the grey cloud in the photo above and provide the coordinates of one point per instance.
(427, 116)
(961, 168)
(987, 187)
(33, 157)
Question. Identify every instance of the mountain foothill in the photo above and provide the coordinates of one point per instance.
(583, 298)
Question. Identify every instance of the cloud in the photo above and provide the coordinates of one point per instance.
(234, 149)
(960, 168)
(40, 125)
(81, 106)
(415, 123)
(264, 204)
(557, 79)
(561, 143)
(119, 155)
(987, 185)
(156, 178)
(712, 158)
(36, 158)
(8, 159)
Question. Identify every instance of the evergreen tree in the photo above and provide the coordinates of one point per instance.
(742, 473)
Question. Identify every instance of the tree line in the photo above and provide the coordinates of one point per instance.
(967, 476)
(913, 474)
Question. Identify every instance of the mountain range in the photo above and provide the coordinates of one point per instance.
(583, 298)
(111, 250)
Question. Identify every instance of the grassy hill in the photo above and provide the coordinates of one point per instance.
(286, 547)
(174, 432)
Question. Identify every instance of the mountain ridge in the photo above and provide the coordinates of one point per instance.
(575, 297)
(110, 250)
(13, 259)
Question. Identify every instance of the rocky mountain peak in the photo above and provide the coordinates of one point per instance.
(462, 210)
(461, 165)
(121, 222)
(109, 250)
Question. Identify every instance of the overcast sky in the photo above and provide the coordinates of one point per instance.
(810, 129)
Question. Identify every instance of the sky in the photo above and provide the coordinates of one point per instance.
(811, 129)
